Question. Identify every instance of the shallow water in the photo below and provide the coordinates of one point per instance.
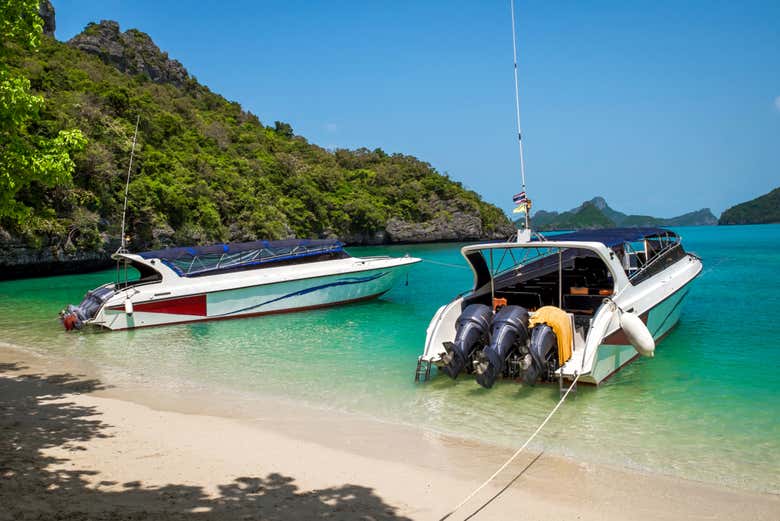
(707, 407)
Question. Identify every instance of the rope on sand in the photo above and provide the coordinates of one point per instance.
(517, 453)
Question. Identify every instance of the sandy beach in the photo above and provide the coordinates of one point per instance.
(74, 447)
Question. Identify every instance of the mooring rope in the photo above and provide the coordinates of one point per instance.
(459, 266)
(517, 453)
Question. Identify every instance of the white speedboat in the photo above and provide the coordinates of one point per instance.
(583, 303)
(179, 285)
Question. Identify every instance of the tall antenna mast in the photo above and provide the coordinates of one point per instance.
(122, 247)
(517, 111)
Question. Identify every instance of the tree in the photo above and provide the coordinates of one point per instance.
(283, 129)
(25, 157)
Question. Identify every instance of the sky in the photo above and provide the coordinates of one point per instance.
(662, 107)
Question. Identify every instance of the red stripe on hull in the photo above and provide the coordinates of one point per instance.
(261, 313)
(195, 305)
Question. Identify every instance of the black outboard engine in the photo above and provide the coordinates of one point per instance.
(544, 354)
(472, 326)
(510, 330)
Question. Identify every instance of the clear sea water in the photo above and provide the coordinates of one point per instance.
(707, 407)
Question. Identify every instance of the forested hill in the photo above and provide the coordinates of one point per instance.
(205, 169)
(761, 210)
(596, 213)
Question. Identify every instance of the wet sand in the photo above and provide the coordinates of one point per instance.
(74, 447)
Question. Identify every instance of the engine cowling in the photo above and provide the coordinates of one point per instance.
(544, 353)
(509, 331)
(471, 327)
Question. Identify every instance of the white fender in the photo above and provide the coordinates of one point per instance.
(601, 323)
(638, 334)
(129, 307)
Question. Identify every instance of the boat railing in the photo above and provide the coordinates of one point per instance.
(211, 263)
(650, 267)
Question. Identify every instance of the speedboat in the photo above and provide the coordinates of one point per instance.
(192, 284)
(580, 304)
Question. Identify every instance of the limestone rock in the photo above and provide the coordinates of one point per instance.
(132, 52)
(46, 12)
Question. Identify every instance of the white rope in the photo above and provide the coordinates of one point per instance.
(517, 453)
(460, 267)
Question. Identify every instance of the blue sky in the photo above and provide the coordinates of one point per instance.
(662, 107)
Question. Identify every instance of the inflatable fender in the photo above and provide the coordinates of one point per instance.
(637, 333)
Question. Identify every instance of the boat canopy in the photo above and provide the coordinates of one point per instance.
(611, 237)
(201, 260)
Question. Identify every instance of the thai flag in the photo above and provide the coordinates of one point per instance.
(519, 198)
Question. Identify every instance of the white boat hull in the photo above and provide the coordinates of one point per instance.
(604, 349)
(154, 306)
(616, 352)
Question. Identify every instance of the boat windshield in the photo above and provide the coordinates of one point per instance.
(208, 260)
(644, 258)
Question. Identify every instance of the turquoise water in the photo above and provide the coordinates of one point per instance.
(707, 407)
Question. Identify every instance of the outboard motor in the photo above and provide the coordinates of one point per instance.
(472, 326)
(510, 330)
(544, 353)
(73, 317)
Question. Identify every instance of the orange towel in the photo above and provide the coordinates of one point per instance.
(560, 323)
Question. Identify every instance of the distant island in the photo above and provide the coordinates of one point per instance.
(761, 210)
(206, 170)
(596, 213)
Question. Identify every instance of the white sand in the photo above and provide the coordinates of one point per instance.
(72, 451)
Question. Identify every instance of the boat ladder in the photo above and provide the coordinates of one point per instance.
(564, 387)
(423, 372)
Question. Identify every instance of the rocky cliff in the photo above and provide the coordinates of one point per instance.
(132, 52)
(46, 11)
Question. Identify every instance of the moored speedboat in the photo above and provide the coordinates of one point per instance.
(178, 285)
(584, 303)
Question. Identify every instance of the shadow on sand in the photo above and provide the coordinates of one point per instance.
(35, 415)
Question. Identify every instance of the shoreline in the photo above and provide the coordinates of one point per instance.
(186, 457)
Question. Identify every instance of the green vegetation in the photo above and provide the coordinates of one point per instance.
(596, 213)
(761, 210)
(205, 169)
(32, 155)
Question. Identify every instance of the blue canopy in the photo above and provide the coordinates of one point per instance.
(611, 237)
(193, 261)
(272, 247)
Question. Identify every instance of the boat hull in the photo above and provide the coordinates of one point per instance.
(615, 352)
(260, 299)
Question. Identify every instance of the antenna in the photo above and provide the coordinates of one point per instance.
(122, 248)
(517, 110)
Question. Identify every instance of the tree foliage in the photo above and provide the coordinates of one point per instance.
(205, 170)
(761, 210)
(29, 155)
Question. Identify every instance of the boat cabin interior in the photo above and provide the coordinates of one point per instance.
(576, 280)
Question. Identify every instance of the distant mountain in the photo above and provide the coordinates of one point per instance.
(596, 213)
(761, 210)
